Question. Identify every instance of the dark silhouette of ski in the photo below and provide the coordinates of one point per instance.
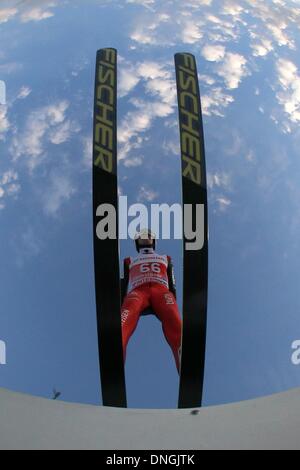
(106, 251)
(195, 263)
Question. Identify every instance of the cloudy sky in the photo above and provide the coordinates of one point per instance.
(249, 73)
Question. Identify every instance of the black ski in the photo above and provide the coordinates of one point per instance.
(195, 276)
(106, 252)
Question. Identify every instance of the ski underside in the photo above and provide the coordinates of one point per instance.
(106, 251)
(195, 261)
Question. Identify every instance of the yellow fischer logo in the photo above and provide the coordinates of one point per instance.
(104, 114)
(190, 114)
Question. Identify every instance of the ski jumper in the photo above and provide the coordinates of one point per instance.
(149, 283)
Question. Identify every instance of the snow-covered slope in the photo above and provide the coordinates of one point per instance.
(34, 423)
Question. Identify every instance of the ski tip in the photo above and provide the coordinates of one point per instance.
(179, 54)
(109, 54)
(104, 49)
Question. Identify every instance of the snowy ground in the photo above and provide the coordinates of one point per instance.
(34, 423)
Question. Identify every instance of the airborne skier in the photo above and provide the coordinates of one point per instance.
(149, 283)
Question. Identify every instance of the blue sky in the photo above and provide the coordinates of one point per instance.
(248, 64)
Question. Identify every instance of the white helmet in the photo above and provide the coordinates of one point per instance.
(145, 234)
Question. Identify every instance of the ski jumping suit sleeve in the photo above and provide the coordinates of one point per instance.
(149, 282)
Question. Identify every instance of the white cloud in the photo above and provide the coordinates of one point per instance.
(63, 132)
(146, 3)
(192, 20)
(237, 145)
(207, 79)
(233, 69)
(278, 32)
(219, 180)
(154, 28)
(232, 8)
(262, 48)
(13, 189)
(133, 162)
(43, 126)
(223, 203)
(213, 19)
(128, 79)
(219, 183)
(193, 5)
(56, 112)
(60, 191)
(87, 143)
(201, 2)
(289, 95)
(134, 123)
(287, 72)
(142, 37)
(147, 194)
(215, 101)
(9, 186)
(158, 83)
(138, 122)
(152, 70)
(213, 53)
(191, 32)
(276, 18)
(37, 13)
(171, 147)
(165, 90)
(8, 177)
(218, 29)
(250, 156)
(4, 122)
(6, 14)
(29, 10)
(24, 92)
(148, 29)
(188, 22)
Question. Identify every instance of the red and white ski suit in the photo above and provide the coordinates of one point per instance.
(149, 283)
